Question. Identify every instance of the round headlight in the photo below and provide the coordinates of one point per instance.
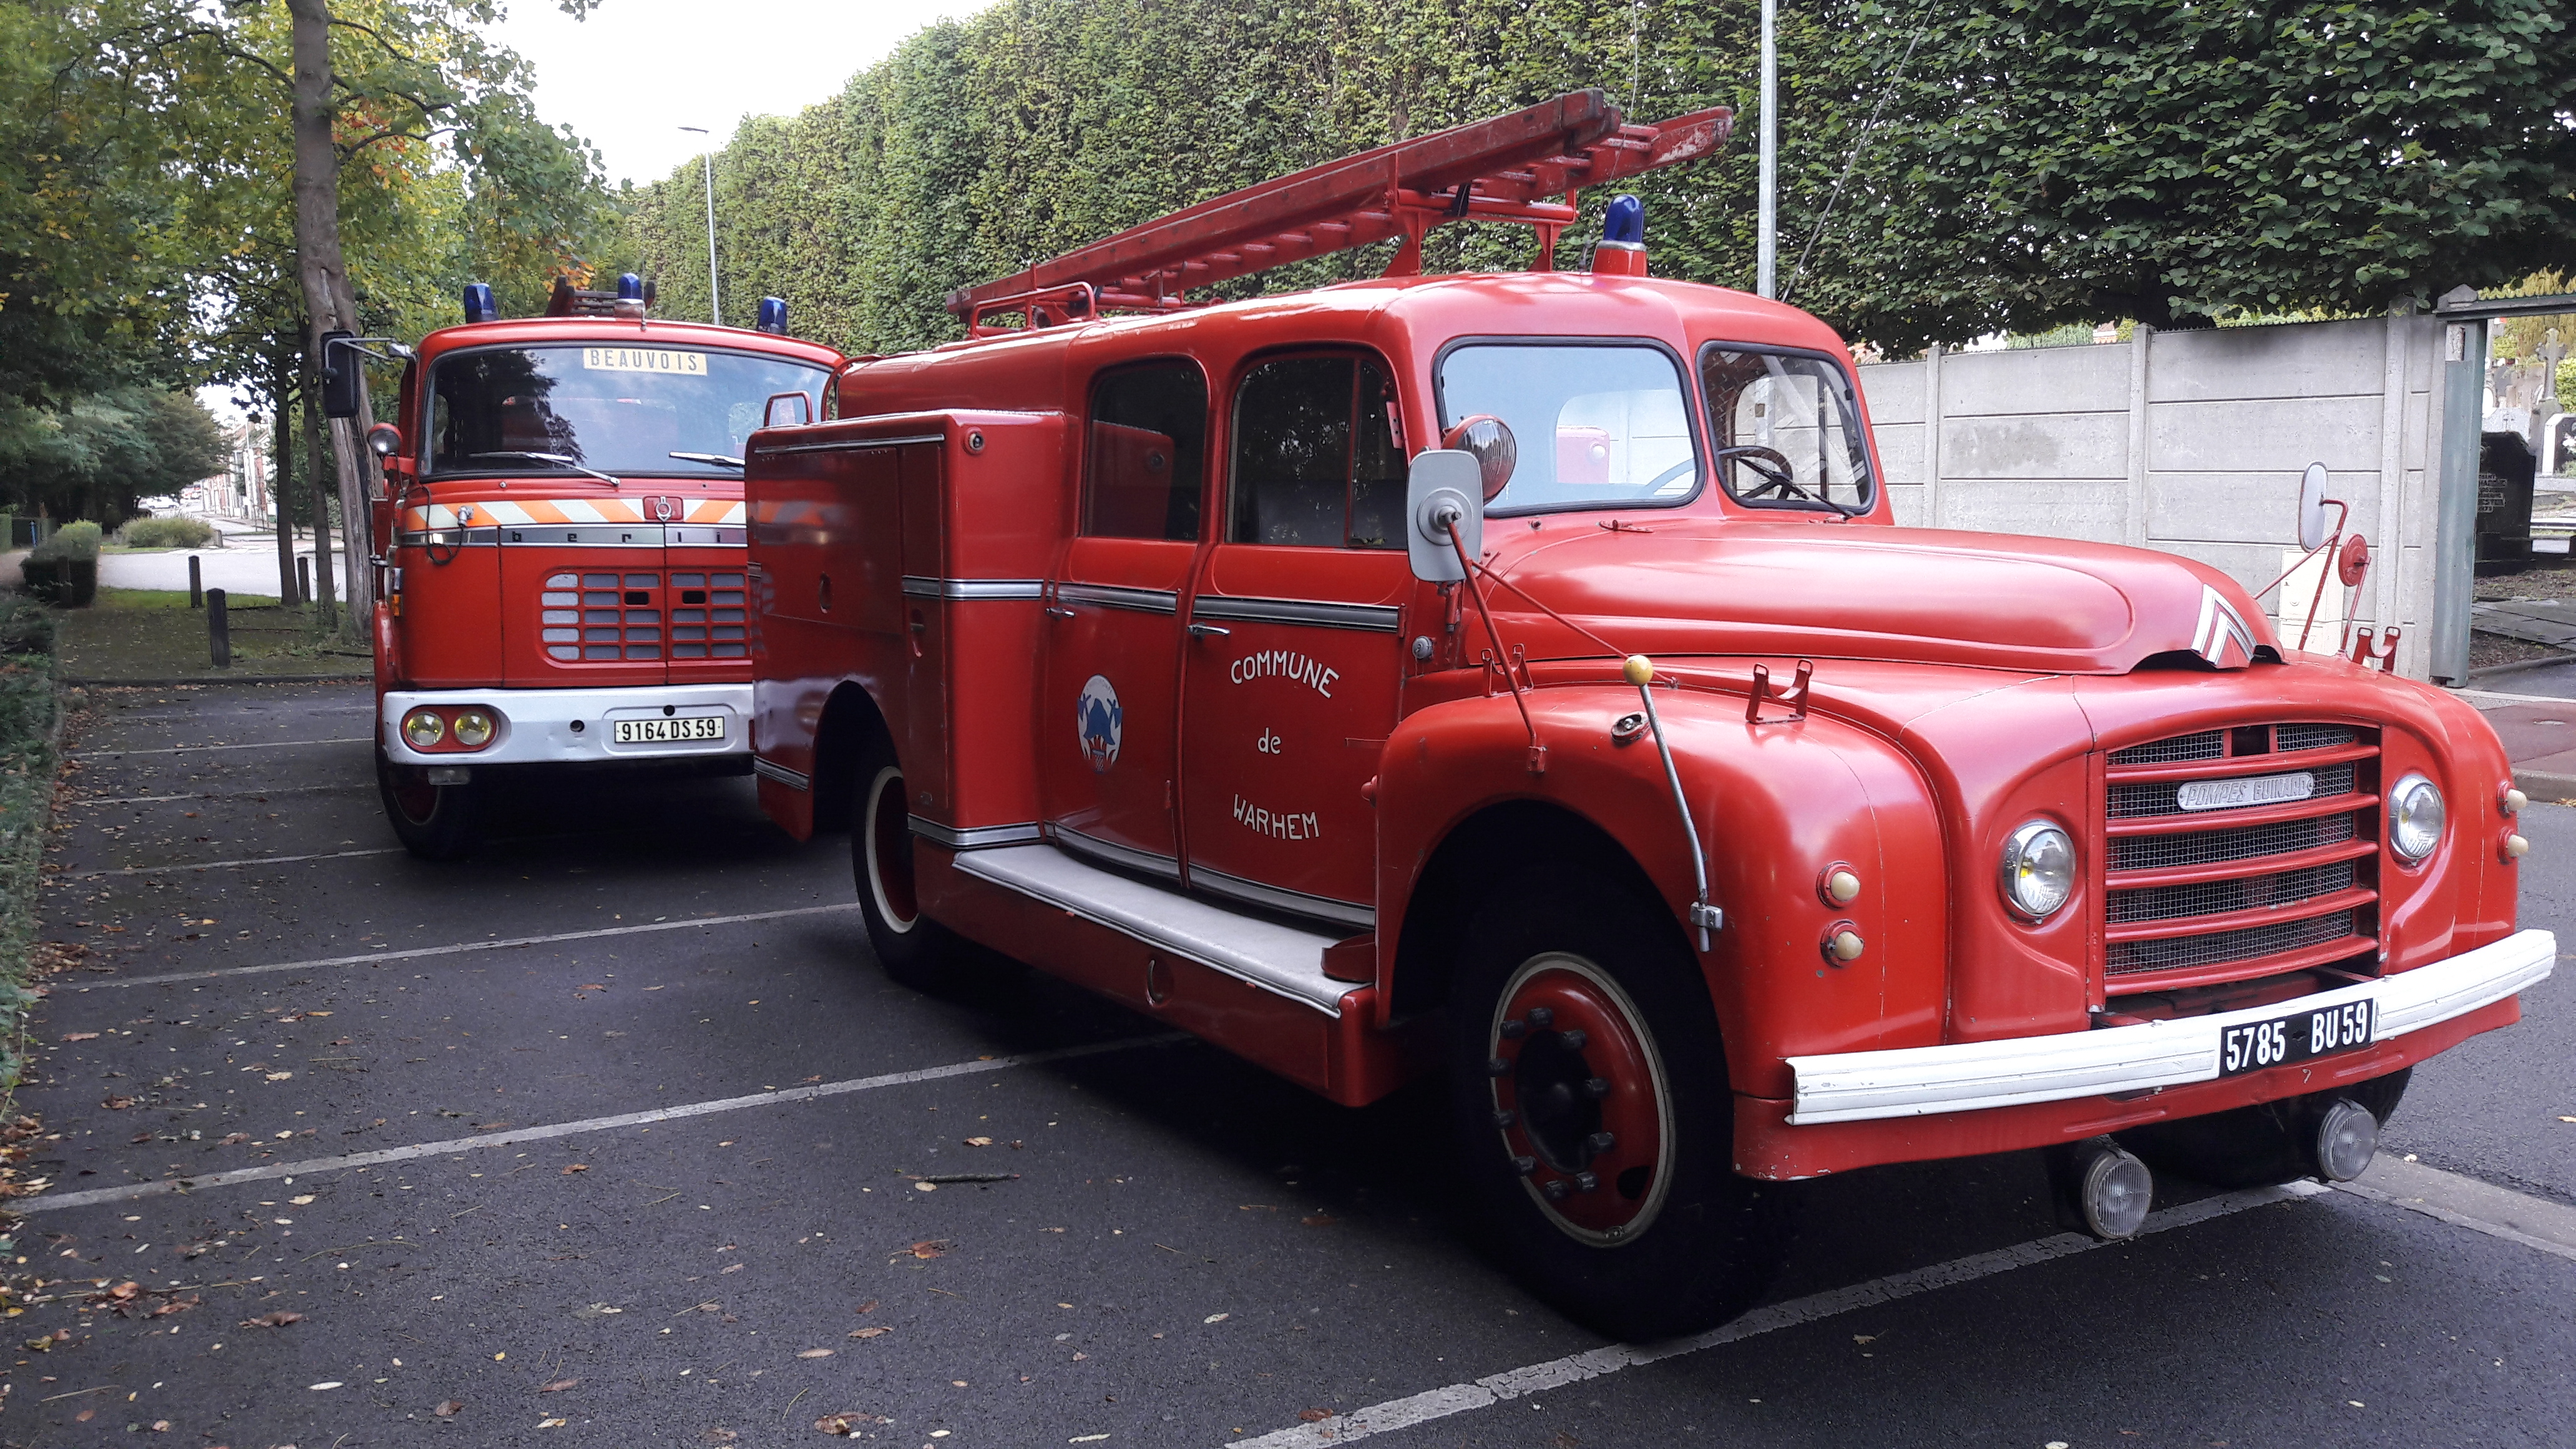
(2414, 818)
(474, 729)
(424, 728)
(2038, 870)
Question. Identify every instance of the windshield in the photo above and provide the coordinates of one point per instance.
(1595, 425)
(618, 409)
(1788, 430)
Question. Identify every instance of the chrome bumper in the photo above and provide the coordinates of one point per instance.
(573, 726)
(1970, 1076)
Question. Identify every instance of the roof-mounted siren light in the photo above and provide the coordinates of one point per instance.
(478, 303)
(1622, 252)
(773, 315)
(631, 299)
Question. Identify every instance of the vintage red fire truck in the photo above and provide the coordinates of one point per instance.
(561, 546)
(1522, 676)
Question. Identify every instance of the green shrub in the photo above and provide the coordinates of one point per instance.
(72, 540)
(167, 533)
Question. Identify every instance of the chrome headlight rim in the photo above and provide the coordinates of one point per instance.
(2408, 800)
(2021, 848)
(424, 729)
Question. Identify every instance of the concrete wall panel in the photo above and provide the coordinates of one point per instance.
(2044, 380)
(2054, 507)
(2309, 360)
(2264, 434)
(2248, 507)
(1892, 392)
(2068, 445)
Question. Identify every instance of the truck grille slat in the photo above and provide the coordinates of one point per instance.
(621, 616)
(2181, 838)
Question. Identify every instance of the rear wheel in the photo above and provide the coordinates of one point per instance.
(913, 949)
(2258, 1146)
(1590, 1098)
(434, 822)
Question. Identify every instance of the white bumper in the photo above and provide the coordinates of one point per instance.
(574, 726)
(1968, 1076)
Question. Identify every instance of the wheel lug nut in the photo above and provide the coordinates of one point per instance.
(1524, 1165)
(1504, 1117)
(1515, 1029)
(1585, 1182)
(1601, 1141)
(1541, 1018)
(1498, 1067)
(1574, 1039)
(1555, 1191)
(1596, 1087)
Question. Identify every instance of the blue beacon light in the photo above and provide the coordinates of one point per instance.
(478, 303)
(630, 287)
(1624, 222)
(773, 315)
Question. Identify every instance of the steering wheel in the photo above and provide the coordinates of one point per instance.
(1780, 478)
(1655, 484)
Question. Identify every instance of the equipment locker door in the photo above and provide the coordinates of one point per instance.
(1291, 674)
(1108, 718)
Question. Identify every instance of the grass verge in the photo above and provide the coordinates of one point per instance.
(153, 634)
(28, 735)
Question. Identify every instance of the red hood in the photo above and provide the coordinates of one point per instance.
(1860, 592)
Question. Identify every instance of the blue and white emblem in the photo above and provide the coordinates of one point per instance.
(1100, 723)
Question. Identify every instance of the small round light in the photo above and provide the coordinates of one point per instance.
(2414, 818)
(2347, 1138)
(423, 728)
(2515, 847)
(2115, 1193)
(474, 729)
(1842, 887)
(384, 440)
(2514, 800)
(1846, 945)
(2038, 870)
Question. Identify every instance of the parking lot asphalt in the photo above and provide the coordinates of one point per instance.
(613, 1134)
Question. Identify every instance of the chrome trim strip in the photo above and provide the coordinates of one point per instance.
(1117, 596)
(975, 837)
(1971, 1076)
(780, 773)
(918, 587)
(1372, 618)
(583, 535)
(448, 538)
(1322, 908)
(689, 536)
(1168, 867)
(852, 445)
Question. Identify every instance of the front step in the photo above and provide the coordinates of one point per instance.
(1279, 959)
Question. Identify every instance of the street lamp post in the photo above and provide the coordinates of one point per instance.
(715, 307)
(1767, 227)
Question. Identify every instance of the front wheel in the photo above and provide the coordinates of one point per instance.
(1591, 1103)
(434, 822)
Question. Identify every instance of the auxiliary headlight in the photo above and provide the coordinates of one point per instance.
(423, 728)
(2414, 818)
(474, 729)
(2038, 870)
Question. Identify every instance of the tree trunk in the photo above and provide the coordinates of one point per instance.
(324, 611)
(281, 483)
(328, 297)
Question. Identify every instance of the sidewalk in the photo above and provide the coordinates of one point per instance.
(2539, 735)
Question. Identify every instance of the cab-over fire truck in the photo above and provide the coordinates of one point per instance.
(560, 539)
(1523, 675)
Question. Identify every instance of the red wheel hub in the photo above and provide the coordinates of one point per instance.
(1580, 1098)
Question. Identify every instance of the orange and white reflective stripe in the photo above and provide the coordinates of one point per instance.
(715, 512)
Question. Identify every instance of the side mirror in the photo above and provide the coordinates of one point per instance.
(340, 377)
(1496, 451)
(1443, 495)
(787, 409)
(2312, 507)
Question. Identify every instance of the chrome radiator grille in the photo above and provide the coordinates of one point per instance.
(2239, 852)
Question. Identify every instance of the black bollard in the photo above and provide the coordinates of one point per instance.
(196, 585)
(304, 578)
(219, 629)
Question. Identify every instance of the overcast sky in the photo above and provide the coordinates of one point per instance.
(637, 70)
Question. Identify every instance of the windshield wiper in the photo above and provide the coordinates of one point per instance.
(558, 459)
(718, 459)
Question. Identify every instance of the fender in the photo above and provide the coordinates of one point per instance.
(1778, 805)
(388, 640)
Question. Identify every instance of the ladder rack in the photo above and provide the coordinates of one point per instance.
(1505, 168)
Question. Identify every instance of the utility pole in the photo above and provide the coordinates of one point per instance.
(715, 309)
(1767, 234)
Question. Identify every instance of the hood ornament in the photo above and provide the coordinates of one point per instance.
(2220, 625)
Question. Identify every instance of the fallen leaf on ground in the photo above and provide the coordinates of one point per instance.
(979, 1141)
(552, 1423)
(117, 1104)
(125, 1290)
(590, 986)
(450, 1409)
(1216, 1318)
(867, 1307)
(84, 1416)
(300, 1199)
(576, 1167)
(160, 1426)
(1864, 1338)
(870, 1332)
(558, 1386)
(81, 1036)
(279, 1319)
(734, 1268)
(930, 1248)
(1314, 1416)
(234, 1139)
(1320, 1220)
(816, 1353)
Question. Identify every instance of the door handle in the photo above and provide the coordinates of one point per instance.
(1202, 631)
(1058, 611)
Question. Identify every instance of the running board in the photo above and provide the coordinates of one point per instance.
(1279, 959)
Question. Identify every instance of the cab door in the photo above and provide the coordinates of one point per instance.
(1108, 717)
(1291, 675)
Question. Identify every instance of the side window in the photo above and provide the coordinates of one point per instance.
(1147, 453)
(1317, 460)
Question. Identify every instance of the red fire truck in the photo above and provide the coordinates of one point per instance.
(1522, 676)
(560, 544)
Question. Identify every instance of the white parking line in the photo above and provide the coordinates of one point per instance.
(321, 963)
(200, 749)
(1555, 1373)
(131, 1191)
(228, 864)
(225, 794)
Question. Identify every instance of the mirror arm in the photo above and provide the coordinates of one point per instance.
(1502, 657)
